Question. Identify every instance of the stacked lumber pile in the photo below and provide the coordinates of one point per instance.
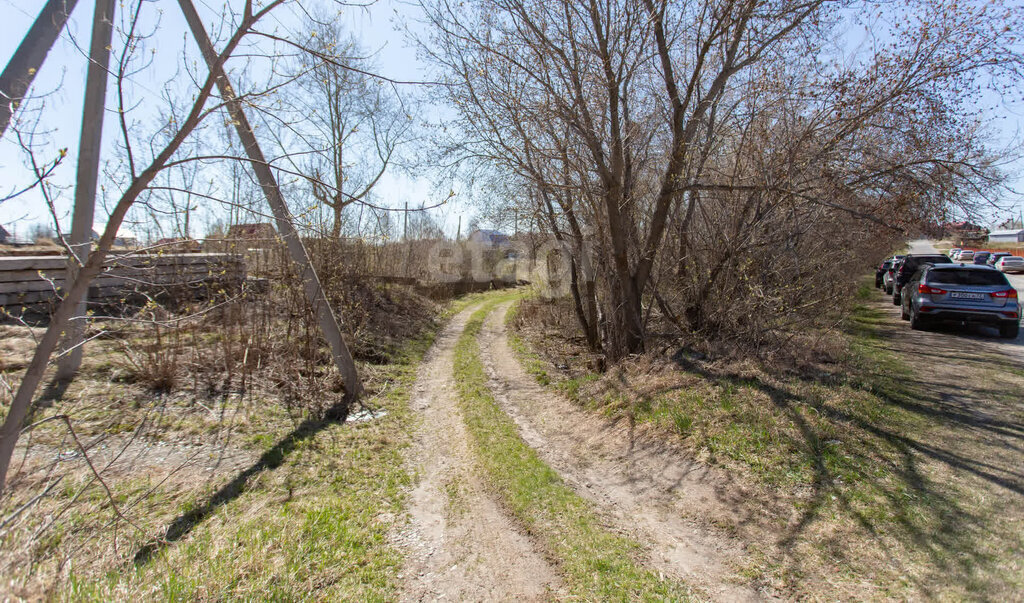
(31, 280)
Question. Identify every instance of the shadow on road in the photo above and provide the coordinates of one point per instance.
(964, 433)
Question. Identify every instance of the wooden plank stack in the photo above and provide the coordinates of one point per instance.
(32, 280)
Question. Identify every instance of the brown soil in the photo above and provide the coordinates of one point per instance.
(459, 542)
(643, 484)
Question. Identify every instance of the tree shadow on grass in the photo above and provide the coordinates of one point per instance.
(874, 473)
(271, 459)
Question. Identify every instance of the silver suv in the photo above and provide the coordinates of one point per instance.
(961, 293)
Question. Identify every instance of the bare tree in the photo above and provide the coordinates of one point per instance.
(355, 122)
(633, 118)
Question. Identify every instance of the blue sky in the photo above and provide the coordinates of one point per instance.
(63, 75)
(62, 79)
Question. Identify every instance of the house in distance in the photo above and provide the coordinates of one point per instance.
(490, 238)
(260, 234)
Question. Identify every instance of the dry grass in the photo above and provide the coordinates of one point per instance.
(206, 432)
(867, 485)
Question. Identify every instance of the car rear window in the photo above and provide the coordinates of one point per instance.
(913, 263)
(981, 278)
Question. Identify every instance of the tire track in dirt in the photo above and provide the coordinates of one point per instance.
(666, 500)
(459, 543)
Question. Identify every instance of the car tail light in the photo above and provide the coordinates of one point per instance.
(1008, 294)
(923, 288)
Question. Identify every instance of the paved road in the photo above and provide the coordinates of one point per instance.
(988, 335)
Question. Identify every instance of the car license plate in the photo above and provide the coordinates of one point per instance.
(965, 295)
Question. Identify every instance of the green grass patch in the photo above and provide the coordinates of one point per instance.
(596, 564)
(314, 526)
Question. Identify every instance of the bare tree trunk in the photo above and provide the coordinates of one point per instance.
(336, 223)
(588, 321)
(589, 293)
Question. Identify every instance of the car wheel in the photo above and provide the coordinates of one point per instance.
(903, 312)
(1009, 331)
(916, 322)
(896, 298)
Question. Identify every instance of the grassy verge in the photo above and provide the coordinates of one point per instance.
(538, 367)
(531, 361)
(308, 521)
(850, 450)
(787, 431)
(597, 564)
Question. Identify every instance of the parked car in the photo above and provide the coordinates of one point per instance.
(995, 255)
(911, 264)
(1010, 263)
(882, 269)
(961, 293)
(890, 276)
(981, 257)
(952, 252)
(965, 255)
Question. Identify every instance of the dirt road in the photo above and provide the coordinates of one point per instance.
(460, 545)
(698, 524)
(641, 484)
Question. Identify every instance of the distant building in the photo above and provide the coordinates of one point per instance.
(1015, 235)
(967, 234)
(5, 237)
(261, 230)
(964, 226)
(490, 238)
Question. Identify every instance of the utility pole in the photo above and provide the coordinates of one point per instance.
(458, 231)
(89, 145)
(28, 58)
(408, 243)
(311, 283)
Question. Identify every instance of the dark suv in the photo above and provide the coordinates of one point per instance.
(961, 293)
(882, 269)
(911, 264)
